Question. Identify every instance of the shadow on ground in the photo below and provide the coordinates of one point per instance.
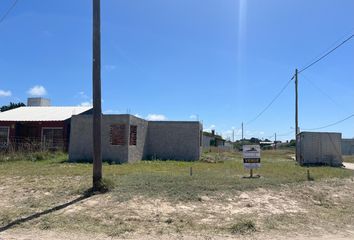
(88, 193)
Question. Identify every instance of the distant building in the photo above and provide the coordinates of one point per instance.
(214, 140)
(126, 138)
(348, 146)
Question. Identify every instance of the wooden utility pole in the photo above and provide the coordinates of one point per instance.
(296, 104)
(296, 114)
(96, 88)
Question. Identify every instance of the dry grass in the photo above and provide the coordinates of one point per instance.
(349, 158)
(160, 197)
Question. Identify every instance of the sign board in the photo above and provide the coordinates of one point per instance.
(251, 156)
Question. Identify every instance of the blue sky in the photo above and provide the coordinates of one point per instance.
(221, 61)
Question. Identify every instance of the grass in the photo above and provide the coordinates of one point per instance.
(171, 179)
(49, 180)
(31, 156)
(348, 158)
(244, 226)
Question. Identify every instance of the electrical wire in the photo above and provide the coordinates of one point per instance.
(286, 134)
(270, 104)
(319, 89)
(8, 11)
(330, 125)
(325, 55)
(281, 134)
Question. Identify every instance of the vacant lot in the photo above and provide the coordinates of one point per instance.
(43, 197)
(349, 159)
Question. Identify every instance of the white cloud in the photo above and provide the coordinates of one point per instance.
(233, 132)
(208, 129)
(111, 111)
(138, 115)
(194, 117)
(83, 95)
(156, 117)
(86, 104)
(4, 93)
(37, 91)
(110, 67)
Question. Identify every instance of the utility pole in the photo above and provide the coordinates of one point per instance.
(233, 135)
(296, 105)
(296, 114)
(242, 130)
(96, 88)
(275, 141)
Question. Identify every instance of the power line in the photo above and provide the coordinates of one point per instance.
(282, 134)
(8, 11)
(319, 89)
(270, 104)
(325, 55)
(330, 125)
(286, 134)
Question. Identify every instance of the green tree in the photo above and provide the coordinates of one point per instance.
(11, 106)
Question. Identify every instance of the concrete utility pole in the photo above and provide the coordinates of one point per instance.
(96, 87)
(242, 130)
(275, 141)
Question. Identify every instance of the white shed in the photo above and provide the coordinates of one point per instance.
(319, 148)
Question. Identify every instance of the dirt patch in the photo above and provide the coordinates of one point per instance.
(323, 208)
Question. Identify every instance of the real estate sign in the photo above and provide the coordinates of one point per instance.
(251, 156)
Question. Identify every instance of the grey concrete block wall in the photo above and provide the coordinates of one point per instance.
(162, 140)
(348, 146)
(80, 148)
(114, 153)
(138, 151)
(174, 140)
(38, 102)
(319, 148)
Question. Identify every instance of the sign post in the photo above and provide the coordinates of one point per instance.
(251, 158)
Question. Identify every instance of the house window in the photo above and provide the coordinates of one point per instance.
(4, 136)
(52, 138)
(117, 134)
(133, 134)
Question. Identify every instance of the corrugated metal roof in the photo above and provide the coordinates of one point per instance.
(41, 113)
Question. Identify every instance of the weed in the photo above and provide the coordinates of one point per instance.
(321, 199)
(119, 230)
(169, 221)
(243, 227)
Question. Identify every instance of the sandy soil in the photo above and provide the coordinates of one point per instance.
(55, 235)
(320, 203)
(348, 165)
